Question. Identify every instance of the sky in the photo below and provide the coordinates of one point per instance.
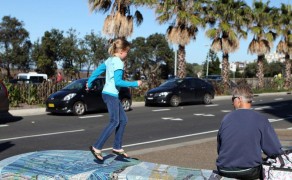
(39, 16)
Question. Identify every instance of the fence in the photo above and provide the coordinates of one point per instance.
(33, 94)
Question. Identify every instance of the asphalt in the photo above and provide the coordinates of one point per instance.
(198, 154)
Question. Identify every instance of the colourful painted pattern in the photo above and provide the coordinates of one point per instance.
(58, 164)
(81, 165)
(152, 171)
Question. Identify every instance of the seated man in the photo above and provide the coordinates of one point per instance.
(242, 137)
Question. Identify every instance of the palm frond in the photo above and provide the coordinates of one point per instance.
(212, 33)
(138, 18)
(216, 45)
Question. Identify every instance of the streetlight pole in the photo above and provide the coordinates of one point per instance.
(207, 59)
(207, 70)
(175, 62)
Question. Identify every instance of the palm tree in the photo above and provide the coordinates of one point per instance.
(119, 23)
(185, 19)
(263, 17)
(231, 17)
(285, 45)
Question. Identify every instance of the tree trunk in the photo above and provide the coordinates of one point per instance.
(181, 61)
(260, 71)
(287, 72)
(225, 72)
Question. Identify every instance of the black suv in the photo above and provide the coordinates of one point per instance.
(176, 91)
(74, 98)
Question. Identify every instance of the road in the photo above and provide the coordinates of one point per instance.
(147, 126)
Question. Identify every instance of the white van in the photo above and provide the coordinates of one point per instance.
(32, 77)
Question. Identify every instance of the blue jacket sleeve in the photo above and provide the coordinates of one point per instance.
(120, 82)
(270, 143)
(100, 69)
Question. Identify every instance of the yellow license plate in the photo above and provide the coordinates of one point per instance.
(51, 105)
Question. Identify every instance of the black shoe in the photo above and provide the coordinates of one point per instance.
(97, 156)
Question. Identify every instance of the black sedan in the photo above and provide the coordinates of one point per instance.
(74, 98)
(176, 91)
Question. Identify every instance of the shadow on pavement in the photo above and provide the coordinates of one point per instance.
(8, 118)
(5, 145)
(281, 109)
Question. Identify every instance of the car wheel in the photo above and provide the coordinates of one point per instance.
(126, 104)
(207, 99)
(174, 101)
(79, 108)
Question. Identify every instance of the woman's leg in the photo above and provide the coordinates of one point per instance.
(113, 109)
(121, 128)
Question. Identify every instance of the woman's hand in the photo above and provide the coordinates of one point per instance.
(140, 82)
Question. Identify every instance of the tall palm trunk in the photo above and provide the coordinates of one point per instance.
(181, 61)
(225, 72)
(260, 70)
(287, 71)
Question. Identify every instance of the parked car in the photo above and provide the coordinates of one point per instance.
(176, 91)
(74, 98)
(216, 78)
(4, 102)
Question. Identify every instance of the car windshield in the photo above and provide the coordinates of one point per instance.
(75, 85)
(171, 83)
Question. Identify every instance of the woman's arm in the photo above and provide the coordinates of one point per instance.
(100, 69)
(120, 82)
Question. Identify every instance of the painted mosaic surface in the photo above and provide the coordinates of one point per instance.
(152, 171)
(58, 164)
(81, 165)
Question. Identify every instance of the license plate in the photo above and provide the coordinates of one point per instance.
(150, 98)
(51, 105)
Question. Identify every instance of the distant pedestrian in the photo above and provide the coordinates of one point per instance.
(243, 135)
(113, 67)
(59, 77)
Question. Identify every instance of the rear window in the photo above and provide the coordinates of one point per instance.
(75, 85)
(171, 83)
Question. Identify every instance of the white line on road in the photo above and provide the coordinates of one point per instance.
(172, 118)
(204, 115)
(38, 135)
(167, 139)
(289, 128)
(83, 117)
(263, 107)
(279, 99)
(211, 105)
(4, 125)
(226, 111)
(156, 110)
(275, 120)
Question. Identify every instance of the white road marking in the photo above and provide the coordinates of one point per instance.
(275, 120)
(289, 128)
(226, 111)
(172, 118)
(84, 117)
(263, 107)
(38, 135)
(167, 139)
(4, 125)
(156, 110)
(204, 115)
(279, 99)
(211, 105)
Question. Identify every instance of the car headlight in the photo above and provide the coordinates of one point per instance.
(162, 94)
(69, 96)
